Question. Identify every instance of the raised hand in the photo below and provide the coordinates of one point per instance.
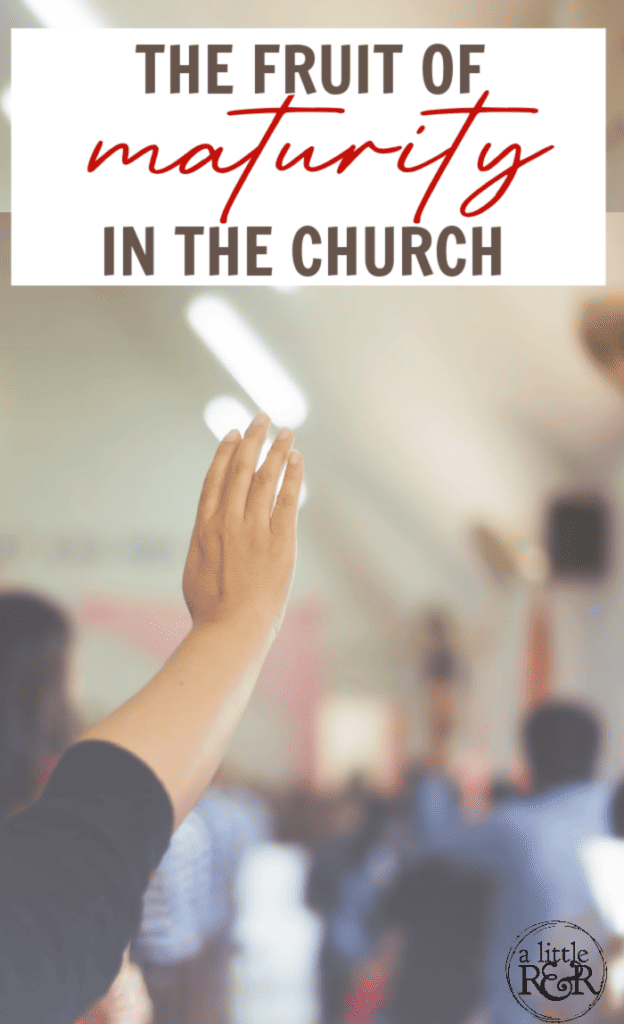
(242, 553)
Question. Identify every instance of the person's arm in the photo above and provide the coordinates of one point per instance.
(236, 584)
(126, 1002)
(74, 866)
(73, 869)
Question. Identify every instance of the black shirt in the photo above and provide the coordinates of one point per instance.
(73, 870)
(443, 911)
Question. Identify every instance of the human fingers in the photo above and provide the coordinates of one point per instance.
(264, 484)
(212, 490)
(284, 516)
(242, 468)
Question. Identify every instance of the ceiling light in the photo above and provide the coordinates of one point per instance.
(64, 13)
(250, 361)
(225, 414)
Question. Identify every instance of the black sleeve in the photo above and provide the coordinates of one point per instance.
(73, 870)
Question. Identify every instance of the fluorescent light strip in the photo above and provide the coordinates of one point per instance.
(64, 14)
(250, 361)
(225, 414)
(5, 101)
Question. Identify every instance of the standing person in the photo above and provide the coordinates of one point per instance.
(435, 799)
(339, 889)
(329, 867)
(389, 845)
(531, 848)
(39, 719)
(87, 847)
(436, 918)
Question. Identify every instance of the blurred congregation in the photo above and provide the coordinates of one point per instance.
(387, 904)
